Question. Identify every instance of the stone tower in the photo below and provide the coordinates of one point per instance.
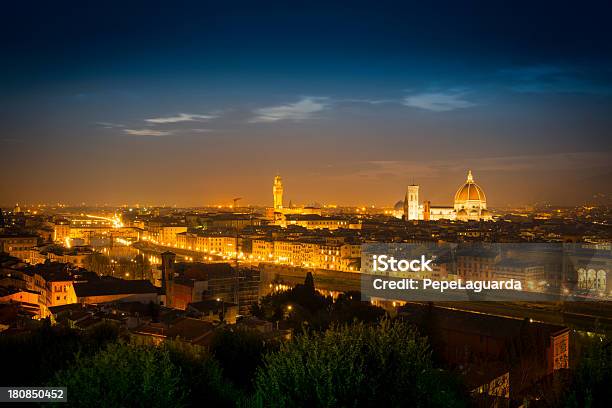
(277, 191)
(413, 202)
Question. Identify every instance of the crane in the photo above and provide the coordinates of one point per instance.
(236, 201)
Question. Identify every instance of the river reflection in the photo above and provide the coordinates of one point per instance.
(119, 253)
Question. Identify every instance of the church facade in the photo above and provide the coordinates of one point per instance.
(470, 204)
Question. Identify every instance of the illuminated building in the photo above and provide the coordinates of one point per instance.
(588, 269)
(477, 265)
(89, 228)
(13, 294)
(53, 282)
(187, 283)
(277, 192)
(531, 274)
(412, 203)
(221, 220)
(18, 245)
(207, 242)
(315, 221)
(164, 234)
(278, 211)
(61, 231)
(329, 254)
(167, 234)
(470, 204)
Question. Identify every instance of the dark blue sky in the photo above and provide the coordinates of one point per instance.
(198, 102)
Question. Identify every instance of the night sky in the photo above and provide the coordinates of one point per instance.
(194, 103)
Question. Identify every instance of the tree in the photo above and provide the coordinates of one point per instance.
(318, 311)
(174, 374)
(35, 357)
(385, 365)
(123, 375)
(349, 307)
(201, 375)
(309, 282)
(590, 386)
(239, 353)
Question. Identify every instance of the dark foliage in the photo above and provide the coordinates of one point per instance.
(385, 365)
(34, 357)
(304, 306)
(239, 353)
(591, 386)
(128, 375)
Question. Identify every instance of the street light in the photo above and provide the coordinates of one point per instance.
(222, 317)
(289, 309)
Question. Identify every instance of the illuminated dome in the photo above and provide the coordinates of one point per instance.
(470, 191)
(470, 201)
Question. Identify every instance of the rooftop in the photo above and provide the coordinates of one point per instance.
(113, 286)
(206, 306)
(189, 329)
(483, 324)
(204, 271)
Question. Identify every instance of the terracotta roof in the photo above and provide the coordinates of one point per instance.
(470, 191)
(113, 286)
(190, 329)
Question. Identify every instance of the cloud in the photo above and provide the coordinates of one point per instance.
(181, 117)
(366, 101)
(109, 125)
(146, 132)
(304, 109)
(438, 101)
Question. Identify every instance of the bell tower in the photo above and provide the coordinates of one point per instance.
(413, 202)
(277, 192)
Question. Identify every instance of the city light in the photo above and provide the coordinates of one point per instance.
(363, 204)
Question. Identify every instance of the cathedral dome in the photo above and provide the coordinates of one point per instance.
(470, 191)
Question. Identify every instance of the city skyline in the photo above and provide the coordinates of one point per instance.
(228, 202)
(110, 105)
(414, 198)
